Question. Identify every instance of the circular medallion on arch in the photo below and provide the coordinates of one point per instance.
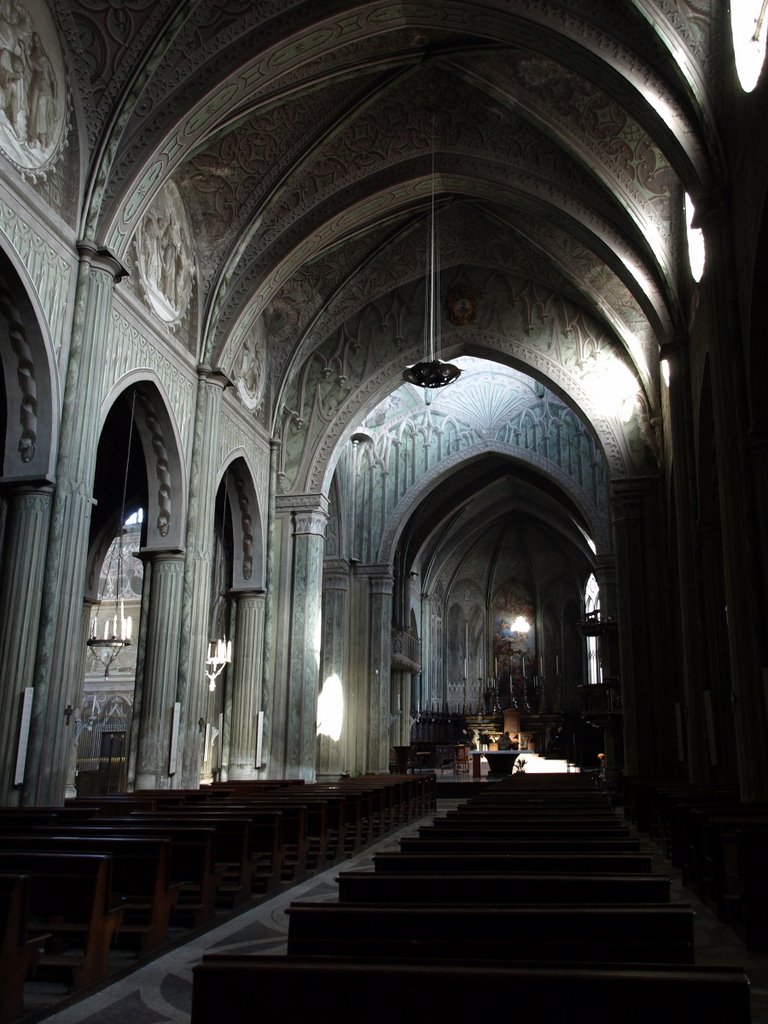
(165, 254)
(34, 114)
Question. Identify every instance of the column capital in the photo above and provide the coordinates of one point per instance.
(211, 375)
(101, 258)
(629, 495)
(336, 573)
(160, 554)
(380, 578)
(11, 486)
(302, 503)
(243, 593)
(309, 522)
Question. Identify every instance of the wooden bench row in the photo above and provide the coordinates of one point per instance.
(559, 917)
(20, 946)
(718, 842)
(125, 871)
(454, 990)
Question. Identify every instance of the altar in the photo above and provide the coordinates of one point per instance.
(500, 762)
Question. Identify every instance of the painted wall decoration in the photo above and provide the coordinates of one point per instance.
(33, 95)
(251, 367)
(166, 258)
(514, 648)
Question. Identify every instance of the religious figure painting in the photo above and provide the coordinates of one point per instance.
(33, 110)
(462, 304)
(166, 259)
(250, 367)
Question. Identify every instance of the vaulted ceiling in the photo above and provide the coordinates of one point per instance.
(299, 144)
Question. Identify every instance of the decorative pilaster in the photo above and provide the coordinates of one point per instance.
(192, 689)
(381, 585)
(59, 667)
(156, 683)
(643, 624)
(304, 652)
(21, 581)
(244, 700)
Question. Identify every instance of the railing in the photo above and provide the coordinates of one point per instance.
(600, 699)
(406, 650)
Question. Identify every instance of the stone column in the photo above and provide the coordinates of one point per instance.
(268, 650)
(689, 712)
(332, 754)
(156, 682)
(244, 692)
(381, 585)
(73, 720)
(192, 688)
(309, 525)
(643, 623)
(59, 666)
(26, 532)
(400, 703)
(743, 597)
(758, 457)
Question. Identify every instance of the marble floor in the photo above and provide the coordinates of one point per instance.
(160, 991)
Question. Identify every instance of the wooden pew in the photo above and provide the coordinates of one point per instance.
(266, 830)
(734, 845)
(498, 863)
(513, 844)
(526, 827)
(547, 933)
(294, 831)
(140, 878)
(192, 869)
(701, 857)
(749, 888)
(526, 810)
(376, 887)
(69, 901)
(19, 951)
(546, 994)
(231, 846)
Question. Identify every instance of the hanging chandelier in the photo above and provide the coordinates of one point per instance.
(431, 372)
(118, 628)
(219, 656)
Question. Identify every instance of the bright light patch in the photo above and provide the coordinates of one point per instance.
(330, 708)
(665, 371)
(611, 386)
(696, 253)
(748, 28)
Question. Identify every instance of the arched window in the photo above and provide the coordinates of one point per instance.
(592, 610)
(749, 23)
(695, 236)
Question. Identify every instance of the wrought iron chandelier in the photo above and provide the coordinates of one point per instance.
(118, 629)
(431, 372)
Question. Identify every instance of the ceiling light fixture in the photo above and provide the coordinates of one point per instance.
(431, 372)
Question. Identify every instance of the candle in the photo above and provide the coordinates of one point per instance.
(522, 665)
